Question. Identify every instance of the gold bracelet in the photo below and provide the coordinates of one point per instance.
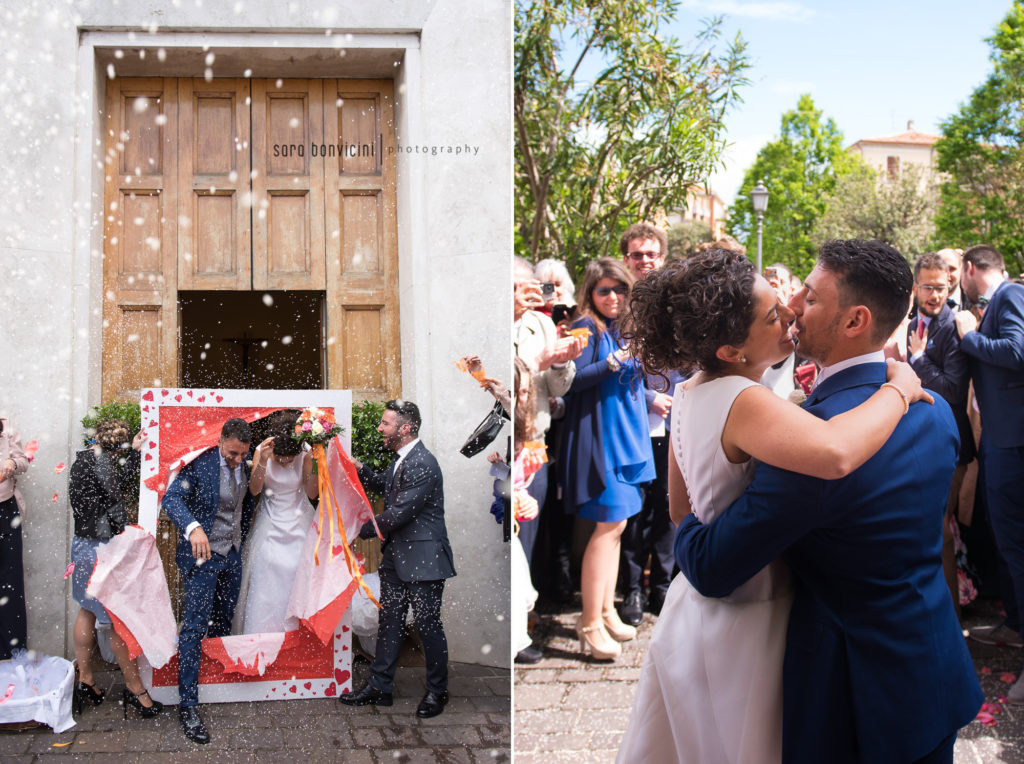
(903, 395)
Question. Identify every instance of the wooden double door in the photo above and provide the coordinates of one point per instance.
(250, 185)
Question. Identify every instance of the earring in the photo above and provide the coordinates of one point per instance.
(743, 359)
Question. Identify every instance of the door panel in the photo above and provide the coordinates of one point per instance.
(288, 184)
(362, 252)
(214, 247)
(140, 236)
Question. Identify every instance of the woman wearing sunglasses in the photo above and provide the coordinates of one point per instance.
(605, 454)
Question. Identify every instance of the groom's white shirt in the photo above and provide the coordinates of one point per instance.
(875, 356)
(404, 452)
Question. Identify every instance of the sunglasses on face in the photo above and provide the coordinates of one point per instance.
(620, 290)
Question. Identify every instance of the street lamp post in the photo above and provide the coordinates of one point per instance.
(759, 197)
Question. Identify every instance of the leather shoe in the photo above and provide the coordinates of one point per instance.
(631, 610)
(432, 704)
(655, 602)
(1000, 635)
(192, 725)
(529, 655)
(368, 696)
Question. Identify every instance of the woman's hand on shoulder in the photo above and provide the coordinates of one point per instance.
(905, 378)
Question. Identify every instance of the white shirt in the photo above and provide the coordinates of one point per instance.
(875, 356)
(404, 452)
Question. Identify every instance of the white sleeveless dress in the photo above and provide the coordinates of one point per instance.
(284, 516)
(711, 687)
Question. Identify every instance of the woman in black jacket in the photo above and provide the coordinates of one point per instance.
(101, 477)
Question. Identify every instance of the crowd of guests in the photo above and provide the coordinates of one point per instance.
(602, 423)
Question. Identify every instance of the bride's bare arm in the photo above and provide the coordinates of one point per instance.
(779, 433)
(678, 498)
(309, 480)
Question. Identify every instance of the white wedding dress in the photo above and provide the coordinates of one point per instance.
(284, 516)
(711, 687)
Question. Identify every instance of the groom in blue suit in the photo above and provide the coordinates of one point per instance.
(210, 504)
(876, 668)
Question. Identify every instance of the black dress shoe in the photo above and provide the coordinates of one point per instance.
(631, 610)
(432, 704)
(192, 724)
(368, 696)
(656, 602)
(531, 654)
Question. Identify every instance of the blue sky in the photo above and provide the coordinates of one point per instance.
(869, 65)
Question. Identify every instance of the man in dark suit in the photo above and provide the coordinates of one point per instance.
(995, 348)
(416, 558)
(933, 350)
(876, 668)
(210, 504)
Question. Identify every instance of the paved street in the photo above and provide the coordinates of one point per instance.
(573, 710)
(474, 728)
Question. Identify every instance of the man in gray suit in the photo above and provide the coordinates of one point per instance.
(416, 558)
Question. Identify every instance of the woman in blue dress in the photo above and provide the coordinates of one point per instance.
(605, 455)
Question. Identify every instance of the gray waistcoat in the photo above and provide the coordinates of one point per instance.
(227, 525)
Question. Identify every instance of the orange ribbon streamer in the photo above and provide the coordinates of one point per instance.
(334, 510)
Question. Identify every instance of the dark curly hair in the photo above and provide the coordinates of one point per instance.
(112, 434)
(681, 314)
(281, 425)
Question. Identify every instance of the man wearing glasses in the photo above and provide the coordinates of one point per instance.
(643, 249)
(933, 350)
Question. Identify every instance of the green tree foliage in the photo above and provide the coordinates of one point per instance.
(982, 150)
(800, 169)
(596, 153)
(899, 210)
(367, 443)
(684, 237)
(125, 412)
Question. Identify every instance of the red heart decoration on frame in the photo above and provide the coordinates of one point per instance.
(341, 675)
(177, 398)
(331, 691)
(165, 393)
(220, 398)
(152, 444)
(201, 399)
(189, 393)
(148, 396)
(344, 629)
(149, 457)
(293, 688)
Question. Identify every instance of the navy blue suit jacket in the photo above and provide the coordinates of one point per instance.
(194, 496)
(876, 667)
(943, 369)
(996, 351)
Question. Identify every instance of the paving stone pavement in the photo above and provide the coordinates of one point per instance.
(574, 709)
(475, 727)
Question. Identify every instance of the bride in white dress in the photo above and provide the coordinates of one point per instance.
(283, 480)
(711, 687)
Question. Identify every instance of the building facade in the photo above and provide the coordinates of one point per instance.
(258, 195)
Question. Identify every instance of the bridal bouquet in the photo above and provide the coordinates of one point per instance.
(316, 427)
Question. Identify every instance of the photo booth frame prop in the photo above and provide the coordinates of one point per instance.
(297, 663)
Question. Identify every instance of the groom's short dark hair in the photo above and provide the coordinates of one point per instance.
(237, 429)
(873, 274)
(406, 412)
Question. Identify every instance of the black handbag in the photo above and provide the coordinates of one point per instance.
(485, 432)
